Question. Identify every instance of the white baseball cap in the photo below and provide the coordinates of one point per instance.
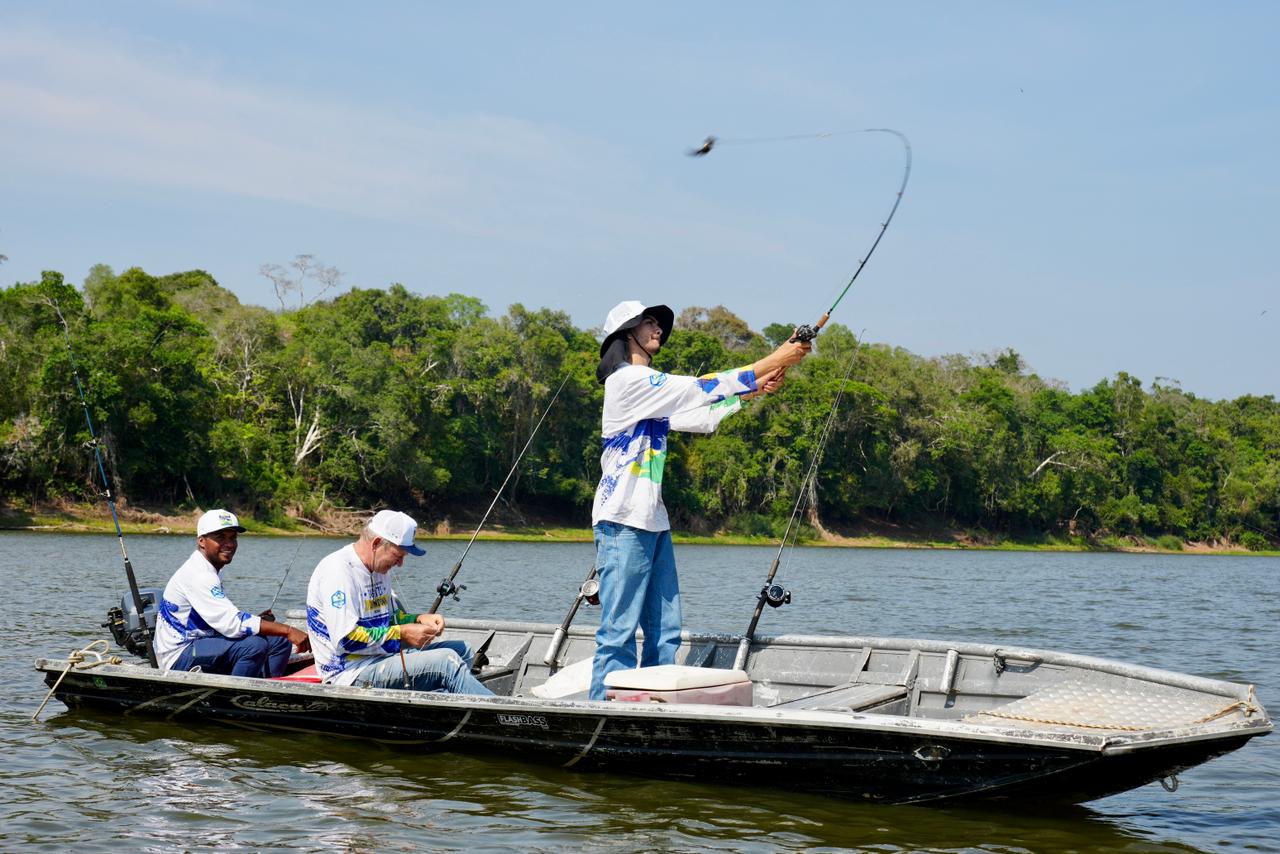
(217, 520)
(396, 528)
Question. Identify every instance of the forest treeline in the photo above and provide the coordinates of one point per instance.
(380, 397)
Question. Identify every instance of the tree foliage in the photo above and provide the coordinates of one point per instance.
(382, 396)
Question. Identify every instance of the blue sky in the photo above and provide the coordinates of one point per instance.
(1094, 184)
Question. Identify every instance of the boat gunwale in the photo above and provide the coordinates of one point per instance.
(1017, 654)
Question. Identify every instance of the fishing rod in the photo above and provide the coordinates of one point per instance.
(807, 332)
(144, 627)
(775, 595)
(589, 591)
(287, 570)
(447, 586)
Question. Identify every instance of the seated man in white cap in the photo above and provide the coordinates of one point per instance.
(199, 627)
(360, 633)
(638, 583)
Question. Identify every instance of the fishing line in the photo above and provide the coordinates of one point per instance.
(773, 594)
(808, 332)
(447, 586)
(106, 485)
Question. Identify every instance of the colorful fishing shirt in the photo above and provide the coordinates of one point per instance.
(194, 606)
(353, 616)
(640, 406)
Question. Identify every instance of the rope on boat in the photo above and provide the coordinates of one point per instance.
(77, 660)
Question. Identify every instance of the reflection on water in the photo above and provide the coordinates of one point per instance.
(102, 783)
(206, 787)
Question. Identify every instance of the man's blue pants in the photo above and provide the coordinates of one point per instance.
(256, 655)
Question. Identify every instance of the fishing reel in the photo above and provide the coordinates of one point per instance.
(447, 588)
(127, 628)
(775, 596)
(590, 591)
(804, 332)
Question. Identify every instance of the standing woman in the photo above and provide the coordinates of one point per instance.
(638, 583)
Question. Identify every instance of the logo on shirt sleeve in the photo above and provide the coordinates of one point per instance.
(338, 599)
(656, 380)
(216, 592)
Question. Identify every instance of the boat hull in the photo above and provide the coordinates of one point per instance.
(866, 757)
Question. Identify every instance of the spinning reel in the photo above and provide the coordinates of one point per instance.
(775, 596)
(447, 588)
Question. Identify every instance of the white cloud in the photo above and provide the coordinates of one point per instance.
(114, 112)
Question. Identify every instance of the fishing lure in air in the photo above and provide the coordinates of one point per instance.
(807, 332)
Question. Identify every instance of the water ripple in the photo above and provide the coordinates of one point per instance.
(96, 782)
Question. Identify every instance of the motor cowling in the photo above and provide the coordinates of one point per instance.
(126, 624)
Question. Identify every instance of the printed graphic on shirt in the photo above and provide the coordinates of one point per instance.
(316, 624)
(649, 439)
(717, 383)
(193, 629)
(649, 465)
(721, 404)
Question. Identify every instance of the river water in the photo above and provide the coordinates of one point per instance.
(94, 782)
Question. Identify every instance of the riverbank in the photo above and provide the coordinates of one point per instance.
(68, 517)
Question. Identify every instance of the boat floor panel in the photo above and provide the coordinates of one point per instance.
(1110, 707)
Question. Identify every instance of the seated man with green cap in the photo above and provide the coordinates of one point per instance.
(638, 583)
(200, 628)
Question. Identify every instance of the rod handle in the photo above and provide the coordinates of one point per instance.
(553, 648)
(740, 660)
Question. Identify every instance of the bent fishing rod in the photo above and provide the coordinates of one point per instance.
(144, 627)
(447, 586)
(772, 594)
(807, 332)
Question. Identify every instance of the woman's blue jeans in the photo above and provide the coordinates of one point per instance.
(638, 589)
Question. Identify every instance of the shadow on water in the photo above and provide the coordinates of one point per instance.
(219, 785)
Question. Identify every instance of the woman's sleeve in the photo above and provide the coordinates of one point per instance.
(705, 419)
(634, 395)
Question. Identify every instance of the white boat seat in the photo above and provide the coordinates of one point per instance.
(672, 677)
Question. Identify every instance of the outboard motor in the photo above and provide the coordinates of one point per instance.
(126, 625)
